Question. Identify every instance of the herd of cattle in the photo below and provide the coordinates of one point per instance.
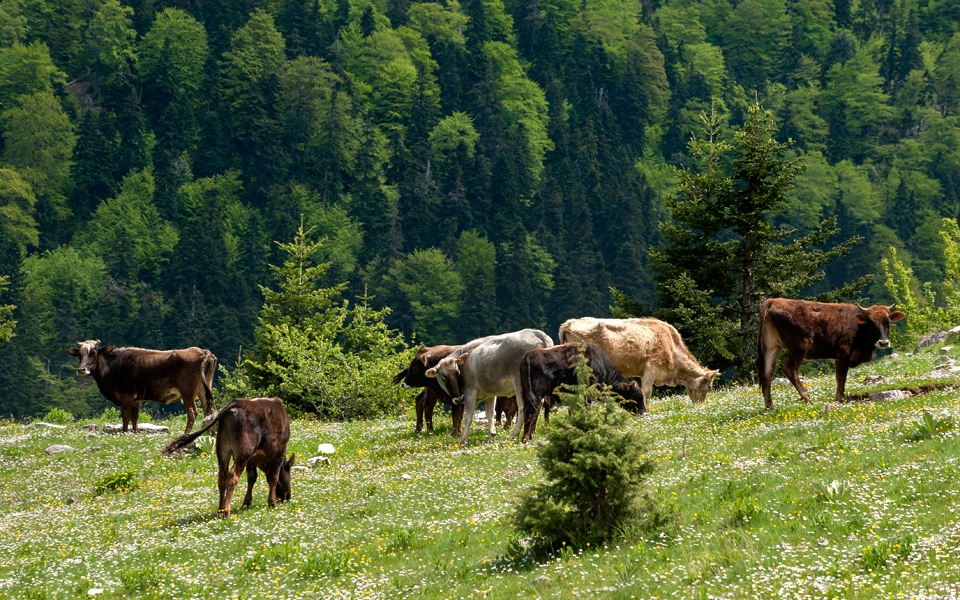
(524, 365)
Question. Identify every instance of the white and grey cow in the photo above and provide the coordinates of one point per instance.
(485, 368)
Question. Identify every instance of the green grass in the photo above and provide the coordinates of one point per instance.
(799, 502)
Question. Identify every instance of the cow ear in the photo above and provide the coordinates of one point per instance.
(291, 461)
(425, 359)
(860, 318)
(431, 373)
(73, 351)
(624, 385)
(462, 358)
(106, 349)
(896, 316)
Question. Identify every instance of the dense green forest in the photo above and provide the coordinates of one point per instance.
(477, 167)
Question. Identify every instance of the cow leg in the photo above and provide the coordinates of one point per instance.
(419, 402)
(190, 407)
(232, 478)
(429, 404)
(843, 366)
(766, 369)
(223, 477)
(520, 408)
(457, 415)
(126, 413)
(469, 407)
(790, 368)
(646, 385)
(273, 477)
(490, 407)
(251, 481)
(135, 415)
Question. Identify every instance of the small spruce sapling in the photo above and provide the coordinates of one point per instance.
(594, 471)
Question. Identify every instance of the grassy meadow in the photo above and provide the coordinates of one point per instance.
(858, 500)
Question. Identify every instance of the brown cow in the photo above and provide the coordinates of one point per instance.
(415, 376)
(844, 333)
(646, 348)
(129, 376)
(544, 369)
(255, 432)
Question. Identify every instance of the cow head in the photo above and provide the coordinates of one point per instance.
(89, 353)
(701, 385)
(447, 373)
(631, 393)
(878, 319)
(284, 492)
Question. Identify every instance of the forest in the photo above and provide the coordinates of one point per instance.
(474, 168)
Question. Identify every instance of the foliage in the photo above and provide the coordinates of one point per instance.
(930, 426)
(594, 473)
(58, 416)
(7, 325)
(722, 254)
(117, 482)
(319, 354)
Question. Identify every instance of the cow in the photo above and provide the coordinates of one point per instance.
(414, 376)
(844, 333)
(485, 368)
(254, 432)
(544, 369)
(647, 348)
(129, 376)
(506, 409)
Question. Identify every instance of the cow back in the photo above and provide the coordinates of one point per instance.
(630, 344)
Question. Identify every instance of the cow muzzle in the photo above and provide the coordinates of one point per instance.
(83, 371)
(404, 385)
(883, 343)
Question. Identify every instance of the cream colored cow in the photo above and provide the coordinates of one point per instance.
(647, 348)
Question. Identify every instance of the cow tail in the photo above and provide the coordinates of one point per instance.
(531, 409)
(184, 440)
(207, 370)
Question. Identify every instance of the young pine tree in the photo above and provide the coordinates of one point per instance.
(594, 471)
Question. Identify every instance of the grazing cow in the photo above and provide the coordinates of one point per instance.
(415, 376)
(646, 348)
(485, 368)
(129, 376)
(255, 432)
(844, 333)
(544, 369)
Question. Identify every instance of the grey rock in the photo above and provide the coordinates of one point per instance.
(946, 349)
(142, 427)
(540, 580)
(57, 449)
(894, 356)
(43, 425)
(91, 435)
(299, 468)
(90, 427)
(93, 448)
(931, 339)
(872, 379)
(889, 395)
(69, 500)
(954, 332)
(317, 461)
(406, 477)
(326, 449)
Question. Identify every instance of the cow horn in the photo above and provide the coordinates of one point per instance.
(892, 306)
(98, 341)
(861, 308)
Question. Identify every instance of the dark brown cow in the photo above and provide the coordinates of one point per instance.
(254, 432)
(544, 369)
(129, 376)
(505, 408)
(844, 333)
(415, 376)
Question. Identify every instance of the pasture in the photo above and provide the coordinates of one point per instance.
(857, 501)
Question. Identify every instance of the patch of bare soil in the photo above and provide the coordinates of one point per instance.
(913, 391)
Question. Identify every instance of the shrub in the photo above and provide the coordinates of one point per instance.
(594, 472)
(930, 426)
(116, 482)
(58, 416)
